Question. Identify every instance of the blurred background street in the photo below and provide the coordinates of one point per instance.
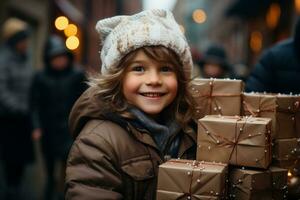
(243, 29)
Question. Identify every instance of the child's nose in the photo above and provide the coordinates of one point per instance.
(154, 78)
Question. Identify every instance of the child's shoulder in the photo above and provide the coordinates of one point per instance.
(102, 127)
(104, 130)
(109, 137)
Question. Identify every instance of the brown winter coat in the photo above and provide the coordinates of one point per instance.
(108, 161)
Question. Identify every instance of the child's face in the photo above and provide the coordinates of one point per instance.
(149, 85)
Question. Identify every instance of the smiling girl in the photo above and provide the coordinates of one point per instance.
(137, 112)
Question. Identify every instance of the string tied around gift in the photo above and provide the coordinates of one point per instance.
(257, 112)
(221, 141)
(211, 97)
(197, 165)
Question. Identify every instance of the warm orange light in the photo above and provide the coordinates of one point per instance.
(61, 22)
(290, 174)
(72, 42)
(70, 30)
(199, 16)
(256, 41)
(273, 15)
(297, 6)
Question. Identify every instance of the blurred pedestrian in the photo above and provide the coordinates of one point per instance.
(15, 126)
(54, 90)
(278, 69)
(214, 63)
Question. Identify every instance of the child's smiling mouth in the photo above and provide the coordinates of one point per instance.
(152, 94)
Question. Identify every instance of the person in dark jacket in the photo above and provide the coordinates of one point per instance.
(214, 63)
(278, 69)
(15, 127)
(137, 113)
(54, 90)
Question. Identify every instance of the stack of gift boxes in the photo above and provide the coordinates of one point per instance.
(246, 144)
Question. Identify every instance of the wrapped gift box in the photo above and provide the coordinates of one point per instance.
(249, 185)
(187, 179)
(282, 109)
(286, 152)
(288, 117)
(216, 96)
(260, 105)
(279, 179)
(246, 184)
(243, 141)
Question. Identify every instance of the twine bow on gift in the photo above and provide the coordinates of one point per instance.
(257, 112)
(222, 141)
(211, 96)
(196, 177)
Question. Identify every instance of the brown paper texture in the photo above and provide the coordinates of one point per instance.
(260, 105)
(216, 96)
(279, 178)
(182, 179)
(288, 117)
(284, 110)
(258, 184)
(242, 141)
(285, 149)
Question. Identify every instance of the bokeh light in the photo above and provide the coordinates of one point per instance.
(199, 16)
(70, 30)
(273, 15)
(297, 6)
(256, 41)
(61, 22)
(72, 42)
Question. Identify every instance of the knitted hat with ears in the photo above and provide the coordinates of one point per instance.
(120, 35)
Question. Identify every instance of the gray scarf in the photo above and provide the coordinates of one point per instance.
(160, 132)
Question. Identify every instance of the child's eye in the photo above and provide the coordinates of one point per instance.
(166, 69)
(138, 68)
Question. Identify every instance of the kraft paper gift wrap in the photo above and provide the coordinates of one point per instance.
(288, 117)
(216, 96)
(187, 179)
(242, 141)
(286, 152)
(260, 105)
(247, 184)
(284, 111)
(279, 179)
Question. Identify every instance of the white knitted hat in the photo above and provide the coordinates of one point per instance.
(122, 34)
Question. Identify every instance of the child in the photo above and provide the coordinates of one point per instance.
(136, 114)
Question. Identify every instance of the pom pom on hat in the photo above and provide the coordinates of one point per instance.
(120, 35)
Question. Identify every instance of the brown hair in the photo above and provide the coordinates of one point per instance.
(109, 85)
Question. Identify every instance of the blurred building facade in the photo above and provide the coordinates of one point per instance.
(244, 27)
(41, 15)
